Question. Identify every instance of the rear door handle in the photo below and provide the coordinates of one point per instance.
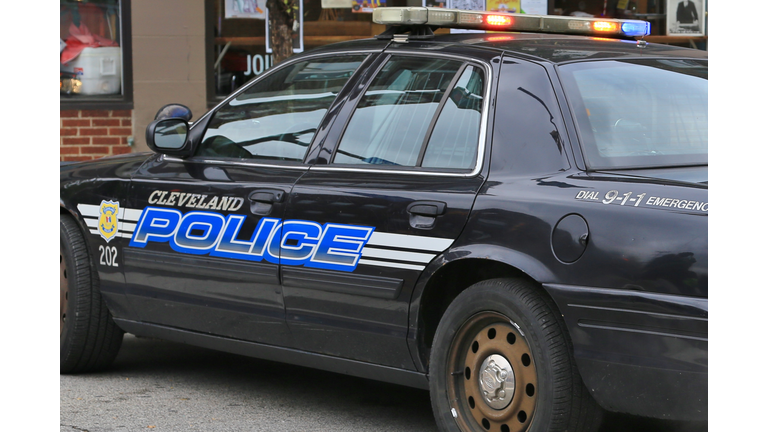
(426, 208)
(423, 214)
(263, 199)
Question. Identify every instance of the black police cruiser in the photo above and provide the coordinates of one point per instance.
(516, 221)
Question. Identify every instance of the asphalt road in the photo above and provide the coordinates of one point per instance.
(163, 386)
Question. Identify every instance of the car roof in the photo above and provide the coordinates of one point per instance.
(554, 48)
(558, 48)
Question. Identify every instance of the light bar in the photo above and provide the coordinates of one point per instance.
(464, 19)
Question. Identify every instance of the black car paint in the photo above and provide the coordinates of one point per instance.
(635, 301)
(91, 182)
(231, 298)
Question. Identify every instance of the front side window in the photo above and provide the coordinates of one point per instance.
(276, 118)
(417, 112)
(640, 113)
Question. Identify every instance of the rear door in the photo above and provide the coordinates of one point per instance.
(403, 165)
(204, 254)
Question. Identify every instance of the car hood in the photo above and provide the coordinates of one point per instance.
(120, 166)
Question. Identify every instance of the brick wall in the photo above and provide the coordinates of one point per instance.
(91, 134)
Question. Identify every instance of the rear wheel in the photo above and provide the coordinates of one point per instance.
(89, 338)
(502, 361)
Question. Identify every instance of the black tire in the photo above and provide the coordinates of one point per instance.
(89, 338)
(490, 329)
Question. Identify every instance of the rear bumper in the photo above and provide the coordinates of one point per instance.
(638, 352)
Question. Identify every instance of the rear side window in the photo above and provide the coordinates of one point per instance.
(276, 118)
(417, 112)
(454, 140)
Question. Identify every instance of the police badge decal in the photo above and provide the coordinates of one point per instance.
(108, 219)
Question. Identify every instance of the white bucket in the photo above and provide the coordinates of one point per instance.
(99, 69)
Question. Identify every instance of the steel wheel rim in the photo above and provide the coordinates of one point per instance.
(64, 291)
(481, 337)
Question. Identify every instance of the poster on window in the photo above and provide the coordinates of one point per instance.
(298, 31)
(534, 7)
(503, 6)
(245, 9)
(367, 6)
(685, 17)
(478, 5)
(334, 4)
(435, 3)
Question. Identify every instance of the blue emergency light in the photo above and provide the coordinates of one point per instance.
(636, 28)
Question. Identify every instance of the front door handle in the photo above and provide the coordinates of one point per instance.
(267, 196)
(263, 199)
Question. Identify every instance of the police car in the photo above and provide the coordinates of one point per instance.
(514, 220)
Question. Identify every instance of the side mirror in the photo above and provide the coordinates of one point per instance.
(169, 136)
(174, 111)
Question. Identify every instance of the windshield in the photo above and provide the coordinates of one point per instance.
(640, 113)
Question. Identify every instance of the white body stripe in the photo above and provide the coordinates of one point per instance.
(405, 241)
(391, 264)
(89, 210)
(130, 214)
(397, 255)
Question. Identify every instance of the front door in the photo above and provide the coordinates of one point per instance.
(205, 251)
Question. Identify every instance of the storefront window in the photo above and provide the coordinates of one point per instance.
(667, 17)
(92, 62)
(239, 45)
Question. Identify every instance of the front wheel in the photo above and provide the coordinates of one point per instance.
(89, 338)
(502, 362)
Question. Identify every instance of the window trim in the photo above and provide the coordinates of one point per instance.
(237, 162)
(125, 102)
(444, 172)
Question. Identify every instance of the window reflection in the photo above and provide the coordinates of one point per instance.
(277, 117)
(392, 119)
